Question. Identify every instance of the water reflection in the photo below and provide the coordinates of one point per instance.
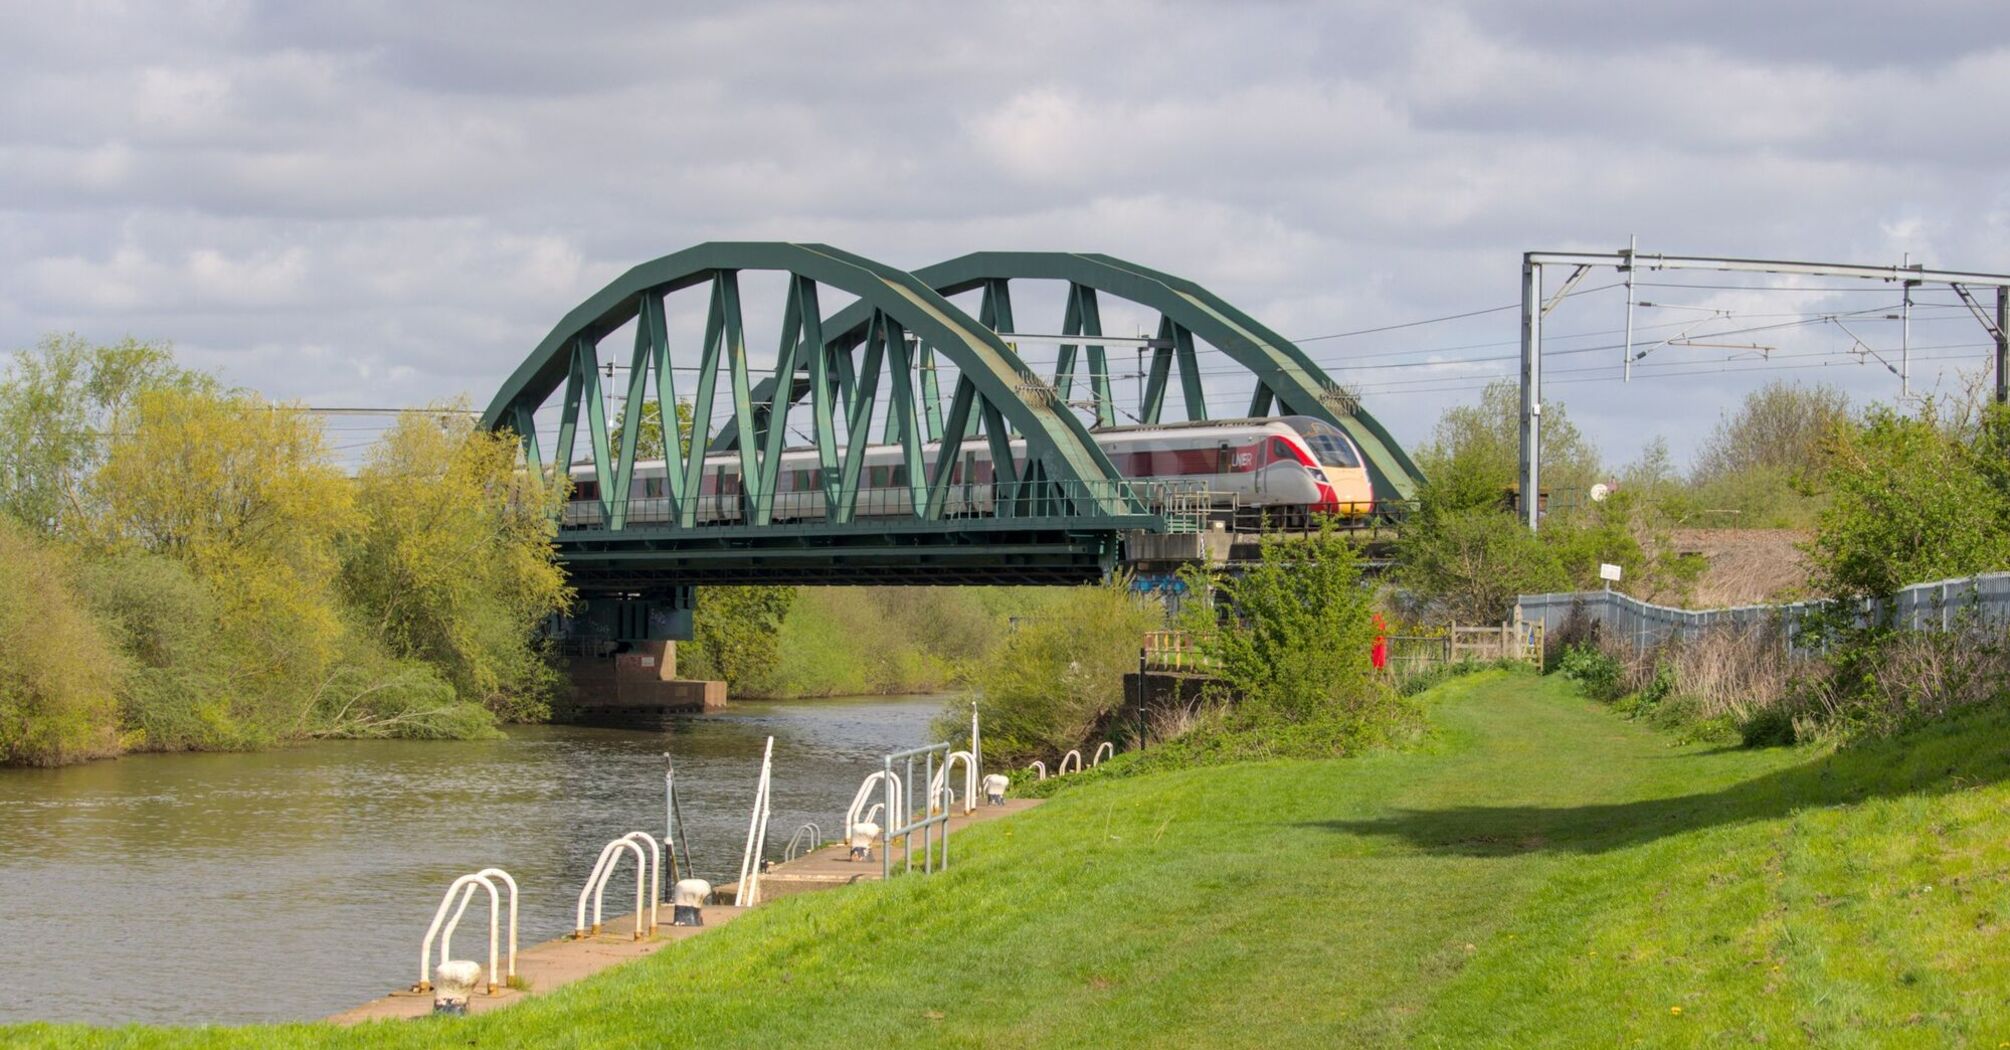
(172, 888)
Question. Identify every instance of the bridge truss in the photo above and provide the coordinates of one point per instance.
(873, 372)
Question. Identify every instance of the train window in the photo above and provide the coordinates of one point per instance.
(805, 480)
(586, 490)
(1282, 452)
(899, 475)
(1333, 450)
(1223, 462)
(652, 488)
(876, 478)
(729, 484)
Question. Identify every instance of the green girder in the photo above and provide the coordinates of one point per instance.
(1283, 372)
(890, 304)
(1285, 377)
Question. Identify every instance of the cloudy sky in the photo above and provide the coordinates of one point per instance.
(382, 204)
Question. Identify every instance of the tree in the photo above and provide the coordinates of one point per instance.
(1298, 628)
(59, 675)
(240, 492)
(59, 405)
(1779, 428)
(1470, 565)
(1909, 502)
(736, 631)
(649, 435)
(1057, 676)
(453, 562)
(1474, 455)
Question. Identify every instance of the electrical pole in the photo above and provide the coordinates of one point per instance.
(1531, 387)
(2002, 345)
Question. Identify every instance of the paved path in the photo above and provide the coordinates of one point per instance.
(563, 961)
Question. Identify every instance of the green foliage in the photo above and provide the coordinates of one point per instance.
(1910, 503)
(59, 675)
(1295, 641)
(56, 404)
(1474, 455)
(224, 585)
(452, 563)
(1594, 670)
(1779, 429)
(838, 641)
(1469, 565)
(1058, 677)
(736, 637)
(166, 621)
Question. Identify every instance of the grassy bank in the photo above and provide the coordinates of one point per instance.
(1543, 873)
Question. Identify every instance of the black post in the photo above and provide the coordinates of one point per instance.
(1141, 699)
(2002, 345)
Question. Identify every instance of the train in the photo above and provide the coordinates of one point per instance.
(1285, 469)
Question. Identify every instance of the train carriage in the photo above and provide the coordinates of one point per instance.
(1288, 469)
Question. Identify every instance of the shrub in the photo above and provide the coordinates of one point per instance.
(1595, 670)
(1057, 677)
(59, 674)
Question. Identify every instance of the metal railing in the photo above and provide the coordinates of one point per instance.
(807, 839)
(1171, 650)
(466, 886)
(748, 892)
(937, 783)
(1940, 605)
(880, 505)
(603, 872)
(904, 821)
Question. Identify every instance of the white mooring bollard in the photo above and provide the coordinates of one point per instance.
(994, 788)
(687, 901)
(862, 834)
(453, 982)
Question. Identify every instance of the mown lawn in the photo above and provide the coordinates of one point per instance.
(1545, 874)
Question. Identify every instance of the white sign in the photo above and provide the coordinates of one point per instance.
(1608, 571)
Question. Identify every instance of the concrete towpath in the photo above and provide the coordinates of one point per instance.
(553, 964)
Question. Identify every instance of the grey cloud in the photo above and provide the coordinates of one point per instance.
(391, 203)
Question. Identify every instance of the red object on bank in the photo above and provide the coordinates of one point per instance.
(1379, 655)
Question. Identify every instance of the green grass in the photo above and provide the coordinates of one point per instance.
(1543, 874)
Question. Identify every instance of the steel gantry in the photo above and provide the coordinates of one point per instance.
(1630, 260)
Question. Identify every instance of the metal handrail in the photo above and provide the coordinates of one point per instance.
(748, 892)
(596, 884)
(902, 823)
(969, 778)
(816, 839)
(1073, 498)
(466, 885)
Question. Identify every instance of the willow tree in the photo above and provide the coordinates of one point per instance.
(452, 562)
(240, 492)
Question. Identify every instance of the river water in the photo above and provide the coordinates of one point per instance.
(290, 884)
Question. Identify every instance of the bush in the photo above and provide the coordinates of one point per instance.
(1593, 669)
(1056, 678)
(59, 674)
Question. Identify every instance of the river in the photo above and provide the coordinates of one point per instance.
(292, 883)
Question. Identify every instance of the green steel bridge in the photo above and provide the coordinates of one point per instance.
(871, 355)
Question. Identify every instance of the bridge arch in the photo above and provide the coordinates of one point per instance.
(889, 306)
(1286, 379)
(1059, 477)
